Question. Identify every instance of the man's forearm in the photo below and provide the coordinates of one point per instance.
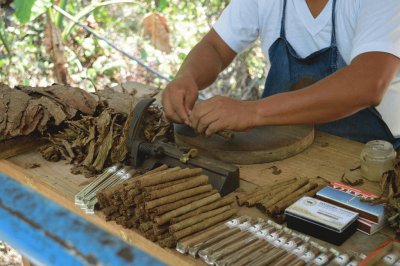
(206, 60)
(345, 92)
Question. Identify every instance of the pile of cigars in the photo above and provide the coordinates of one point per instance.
(274, 198)
(166, 204)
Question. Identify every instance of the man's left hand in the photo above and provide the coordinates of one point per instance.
(220, 113)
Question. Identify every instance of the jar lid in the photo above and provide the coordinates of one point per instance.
(379, 149)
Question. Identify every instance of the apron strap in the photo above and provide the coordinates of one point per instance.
(333, 37)
(283, 31)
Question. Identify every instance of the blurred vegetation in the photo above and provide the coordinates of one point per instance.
(28, 43)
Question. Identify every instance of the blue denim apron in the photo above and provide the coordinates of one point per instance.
(289, 72)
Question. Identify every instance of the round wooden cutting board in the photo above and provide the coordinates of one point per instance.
(259, 145)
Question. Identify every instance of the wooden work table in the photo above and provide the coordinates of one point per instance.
(329, 157)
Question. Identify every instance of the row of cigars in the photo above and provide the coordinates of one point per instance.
(171, 206)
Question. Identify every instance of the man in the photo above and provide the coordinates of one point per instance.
(334, 64)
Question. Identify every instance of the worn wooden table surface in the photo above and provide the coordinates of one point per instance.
(329, 157)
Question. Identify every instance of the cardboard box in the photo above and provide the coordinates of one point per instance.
(322, 220)
(349, 198)
(368, 227)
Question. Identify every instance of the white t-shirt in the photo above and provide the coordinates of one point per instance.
(361, 26)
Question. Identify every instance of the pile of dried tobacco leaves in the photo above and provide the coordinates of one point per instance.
(390, 186)
(24, 110)
(90, 131)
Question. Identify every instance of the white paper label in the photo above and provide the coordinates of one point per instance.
(308, 256)
(263, 233)
(300, 250)
(280, 241)
(342, 259)
(290, 245)
(255, 228)
(321, 259)
(352, 263)
(390, 258)
(233, 223)
(272, 237)
(244, 226)
(322, 212)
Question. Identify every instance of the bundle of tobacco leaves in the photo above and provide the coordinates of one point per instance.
(166, 204)
(94, 142)
(274, 198)
(24, 110)
(390, 186)
(88, 130)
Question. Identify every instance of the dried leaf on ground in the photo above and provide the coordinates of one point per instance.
(155, 27)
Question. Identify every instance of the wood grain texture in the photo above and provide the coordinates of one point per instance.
(19, 145)
(328, 157)
(259, 145)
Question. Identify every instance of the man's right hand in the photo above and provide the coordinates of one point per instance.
(179, 98)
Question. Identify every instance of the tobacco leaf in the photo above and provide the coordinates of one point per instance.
(33, 115)
(68, 96)
(16, 107)
(105, 147)
(4, 102)
(95, 137)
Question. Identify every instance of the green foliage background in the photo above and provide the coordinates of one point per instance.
(23, 59)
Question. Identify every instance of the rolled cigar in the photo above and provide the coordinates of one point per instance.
(204, 224)
(163, 236)
(175, 205)
(144, 227)
(193, 182)
(165, 176)
(266, 195)
(107, 193)
(232, 249)
(290, 258)
(164, 185)
(274, 255)
(246, 251)
(156, 170)
(250, 257)
(184, 244)
(131, 183)
(139, 199)
(322, 259)
(268, 191)
(121, 219)
(160, 229)
(168, 242)
(282, 205)
(150, 236)
(283, 194)
(243, 197)
(184, 209)
(109, 210)
(131, 222)
(197, 219)
(307, 258)
(132, 193)
(112, 216)
(214, 205)
(177, 196)
(205, 253)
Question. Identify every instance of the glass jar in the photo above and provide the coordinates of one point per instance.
(377, 157)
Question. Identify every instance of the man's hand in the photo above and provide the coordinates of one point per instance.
(178, 99)
(220, 113)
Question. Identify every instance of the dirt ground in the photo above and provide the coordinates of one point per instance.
(8, 256)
